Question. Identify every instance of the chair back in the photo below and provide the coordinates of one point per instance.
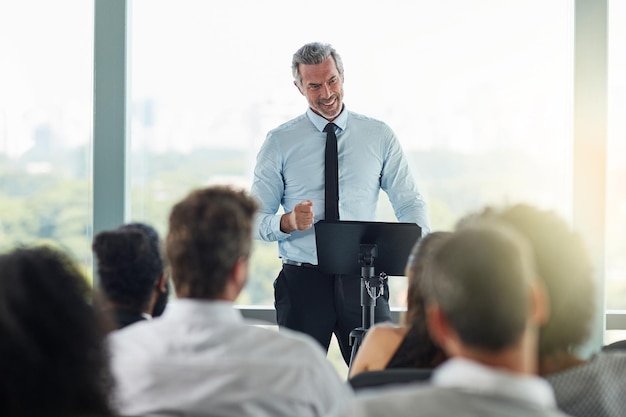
(619, 345)
(372, 379)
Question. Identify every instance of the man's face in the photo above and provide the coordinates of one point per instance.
(322, 85)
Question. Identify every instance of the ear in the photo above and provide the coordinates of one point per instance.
(441, 332)
(161, 283)
(298, 87)
(240, 273)
(540, 305)
(438, 325)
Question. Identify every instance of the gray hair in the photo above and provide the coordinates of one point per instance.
(482, 274)
(311, 54)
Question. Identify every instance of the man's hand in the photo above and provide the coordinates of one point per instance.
(300, 218)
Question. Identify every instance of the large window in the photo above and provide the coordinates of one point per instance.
(616, 163)
(481, 102)
(480, 94)
(46, 70)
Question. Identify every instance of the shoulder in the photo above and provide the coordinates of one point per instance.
(400, 401)
(609, 358)
(386, 331)
(367, 121)
(379, 345)
(292, 344)
(135, 337)
(385, 326)
(361, 118)
(607, 363)
(592, 387)
(365, 128)
(295, 124)
(606, 369)
(129, 332)
(133, 350)
(298, 342)
(299, 355)
(603, 363)
(440, 401)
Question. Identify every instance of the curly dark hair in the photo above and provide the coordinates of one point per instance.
(129, 263)
(53, 360)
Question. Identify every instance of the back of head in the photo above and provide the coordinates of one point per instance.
(312, 54)
(564, 266)
(480, 279)
(52, 356)
(154, 241)
(209, 230)
(158, 258)
(128, 263)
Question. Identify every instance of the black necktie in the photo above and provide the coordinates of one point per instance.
(331, 195)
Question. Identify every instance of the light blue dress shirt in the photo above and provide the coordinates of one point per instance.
(290, 169)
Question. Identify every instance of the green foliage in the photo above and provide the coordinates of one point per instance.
(52, 200)
(59, 210)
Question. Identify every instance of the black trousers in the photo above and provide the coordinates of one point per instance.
(318, 304)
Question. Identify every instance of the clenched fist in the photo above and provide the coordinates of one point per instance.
(300, 218)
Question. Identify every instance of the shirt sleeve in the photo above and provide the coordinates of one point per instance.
(399, 184)
(268, 188)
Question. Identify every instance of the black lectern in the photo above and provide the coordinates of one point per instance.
(360, 248)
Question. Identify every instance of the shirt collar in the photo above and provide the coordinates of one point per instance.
(192, 309)
(320, 123)
(474, 377)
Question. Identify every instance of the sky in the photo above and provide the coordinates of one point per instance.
(451, 74)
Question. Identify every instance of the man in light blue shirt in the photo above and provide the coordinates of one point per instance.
(290, 173)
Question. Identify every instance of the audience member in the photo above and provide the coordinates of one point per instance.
(163, 287)
(409, 346)
(53, 361)
(131, 272)
(583, 387)
(484, 307)
(200, 357)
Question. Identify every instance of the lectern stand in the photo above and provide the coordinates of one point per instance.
(361, 248)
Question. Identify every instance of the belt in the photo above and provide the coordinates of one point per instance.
(296, 263)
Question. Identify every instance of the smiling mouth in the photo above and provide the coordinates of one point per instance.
(329, 103)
